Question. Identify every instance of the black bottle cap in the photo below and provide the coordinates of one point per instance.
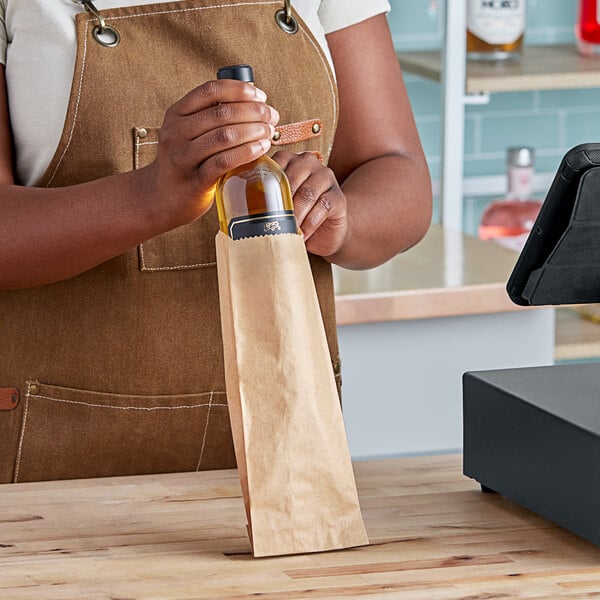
(239, 72)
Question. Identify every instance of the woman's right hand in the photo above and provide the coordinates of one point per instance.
(216, 127)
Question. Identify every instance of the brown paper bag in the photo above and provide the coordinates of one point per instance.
(288, 431)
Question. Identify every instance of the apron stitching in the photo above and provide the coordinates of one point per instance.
(172, 267)
(22, 436)
(178, 267)
(141, 246)
(123, 407)
(137, 145)
(76, 109)
(205, 432)
(101, 393)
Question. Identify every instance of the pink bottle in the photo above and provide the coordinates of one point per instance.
(509, 220)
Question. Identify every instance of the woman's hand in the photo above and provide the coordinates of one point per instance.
(319, 203)
(218, 126)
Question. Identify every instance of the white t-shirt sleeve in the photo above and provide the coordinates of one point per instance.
(3, 36)
(337, 14)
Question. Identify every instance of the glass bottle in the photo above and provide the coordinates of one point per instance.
(509, 220)
(495, 29)
(587, 29)
(253, 199)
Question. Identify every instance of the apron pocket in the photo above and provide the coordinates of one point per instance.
(187, 247)
(70, 433)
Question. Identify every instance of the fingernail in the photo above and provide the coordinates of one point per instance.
(271, 130)
(266, 144)
(260, 94)
(274, 114)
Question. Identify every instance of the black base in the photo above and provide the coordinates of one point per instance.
(533, 435)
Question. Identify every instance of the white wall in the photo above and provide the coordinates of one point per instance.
(402, 380)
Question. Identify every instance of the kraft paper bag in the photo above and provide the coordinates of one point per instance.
(288, 432)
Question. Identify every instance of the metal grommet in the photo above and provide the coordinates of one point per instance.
(106, 36)
(286, 22)
(142, 132)
(34, 389)
(276, 136)
(316, 128)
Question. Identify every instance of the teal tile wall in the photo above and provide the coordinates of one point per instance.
(549, 121)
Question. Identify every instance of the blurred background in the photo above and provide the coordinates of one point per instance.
(550, 121)
(410, 328)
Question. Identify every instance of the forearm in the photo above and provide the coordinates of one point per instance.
(52, 234)
(389, 210)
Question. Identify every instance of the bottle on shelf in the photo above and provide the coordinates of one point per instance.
(509, 220)
(254, 199)
(587, 28)
(495, 29)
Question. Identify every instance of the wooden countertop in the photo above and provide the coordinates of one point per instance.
(447, 274)
(182, 536)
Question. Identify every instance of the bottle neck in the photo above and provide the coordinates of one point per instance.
(520, 182)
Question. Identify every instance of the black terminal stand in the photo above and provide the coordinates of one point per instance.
(533, 434)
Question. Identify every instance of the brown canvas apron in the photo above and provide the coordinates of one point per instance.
(119, 370)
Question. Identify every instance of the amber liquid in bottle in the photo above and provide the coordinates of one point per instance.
(479, 49)
(253, 199)
(495, 29)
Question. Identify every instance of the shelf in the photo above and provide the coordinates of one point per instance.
(447, 274)
(540, 68)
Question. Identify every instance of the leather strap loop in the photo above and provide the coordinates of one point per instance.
(9, 398)
(297, 132)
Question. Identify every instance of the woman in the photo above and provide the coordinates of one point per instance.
(111, 357)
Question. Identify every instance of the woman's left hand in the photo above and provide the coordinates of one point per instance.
(319, 203)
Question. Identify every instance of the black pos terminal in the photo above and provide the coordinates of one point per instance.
(533, 434)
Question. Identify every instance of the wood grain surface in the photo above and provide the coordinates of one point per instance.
(182, 536)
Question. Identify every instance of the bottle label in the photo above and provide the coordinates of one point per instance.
(520, 182)
(497, 22)
(271, 223)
